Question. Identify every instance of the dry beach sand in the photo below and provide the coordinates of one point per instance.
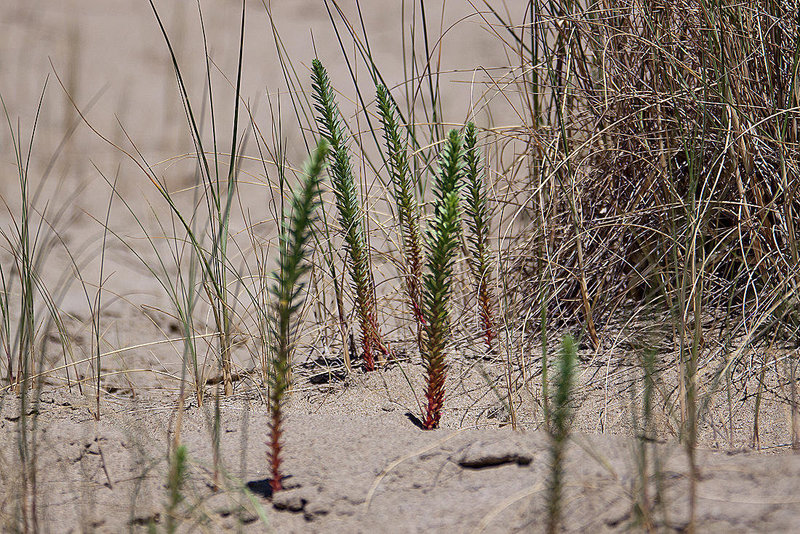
(355, 460)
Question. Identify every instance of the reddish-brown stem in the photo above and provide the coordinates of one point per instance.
(275, 450)
(371, 342)
(369, 333)
(412, 287)
(487, 320)
(435, 397)
(415, 306)
(366, 345)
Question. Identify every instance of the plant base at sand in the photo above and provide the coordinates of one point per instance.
(442, 242)
(286, 290)
(350, 215)
(478, 219)
(403, 184)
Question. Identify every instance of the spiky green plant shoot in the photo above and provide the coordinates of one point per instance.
(442, 243)
(177, 477)
(560, 423)
(350, 213)
(286, 290)
(407, 207)
(642, 506)
(479, 218)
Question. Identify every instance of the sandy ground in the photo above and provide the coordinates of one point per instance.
(354, 459)
(369, 469)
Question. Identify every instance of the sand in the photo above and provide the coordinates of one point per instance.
(368, 471)
(354, 459)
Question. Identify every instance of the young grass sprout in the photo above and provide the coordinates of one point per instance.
(403, 186)
(442, 244)
(479, 220)
(177, 478)
(560, 426)
(351, 216)
(286, 293)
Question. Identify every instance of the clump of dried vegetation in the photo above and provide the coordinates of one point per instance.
(653, 171)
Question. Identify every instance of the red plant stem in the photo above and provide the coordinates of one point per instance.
(486, 317)
(418, 313)
(275, 450)
(369, 334)
(435, 396)
(488, 333)
(371, 343)
(366, 344)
